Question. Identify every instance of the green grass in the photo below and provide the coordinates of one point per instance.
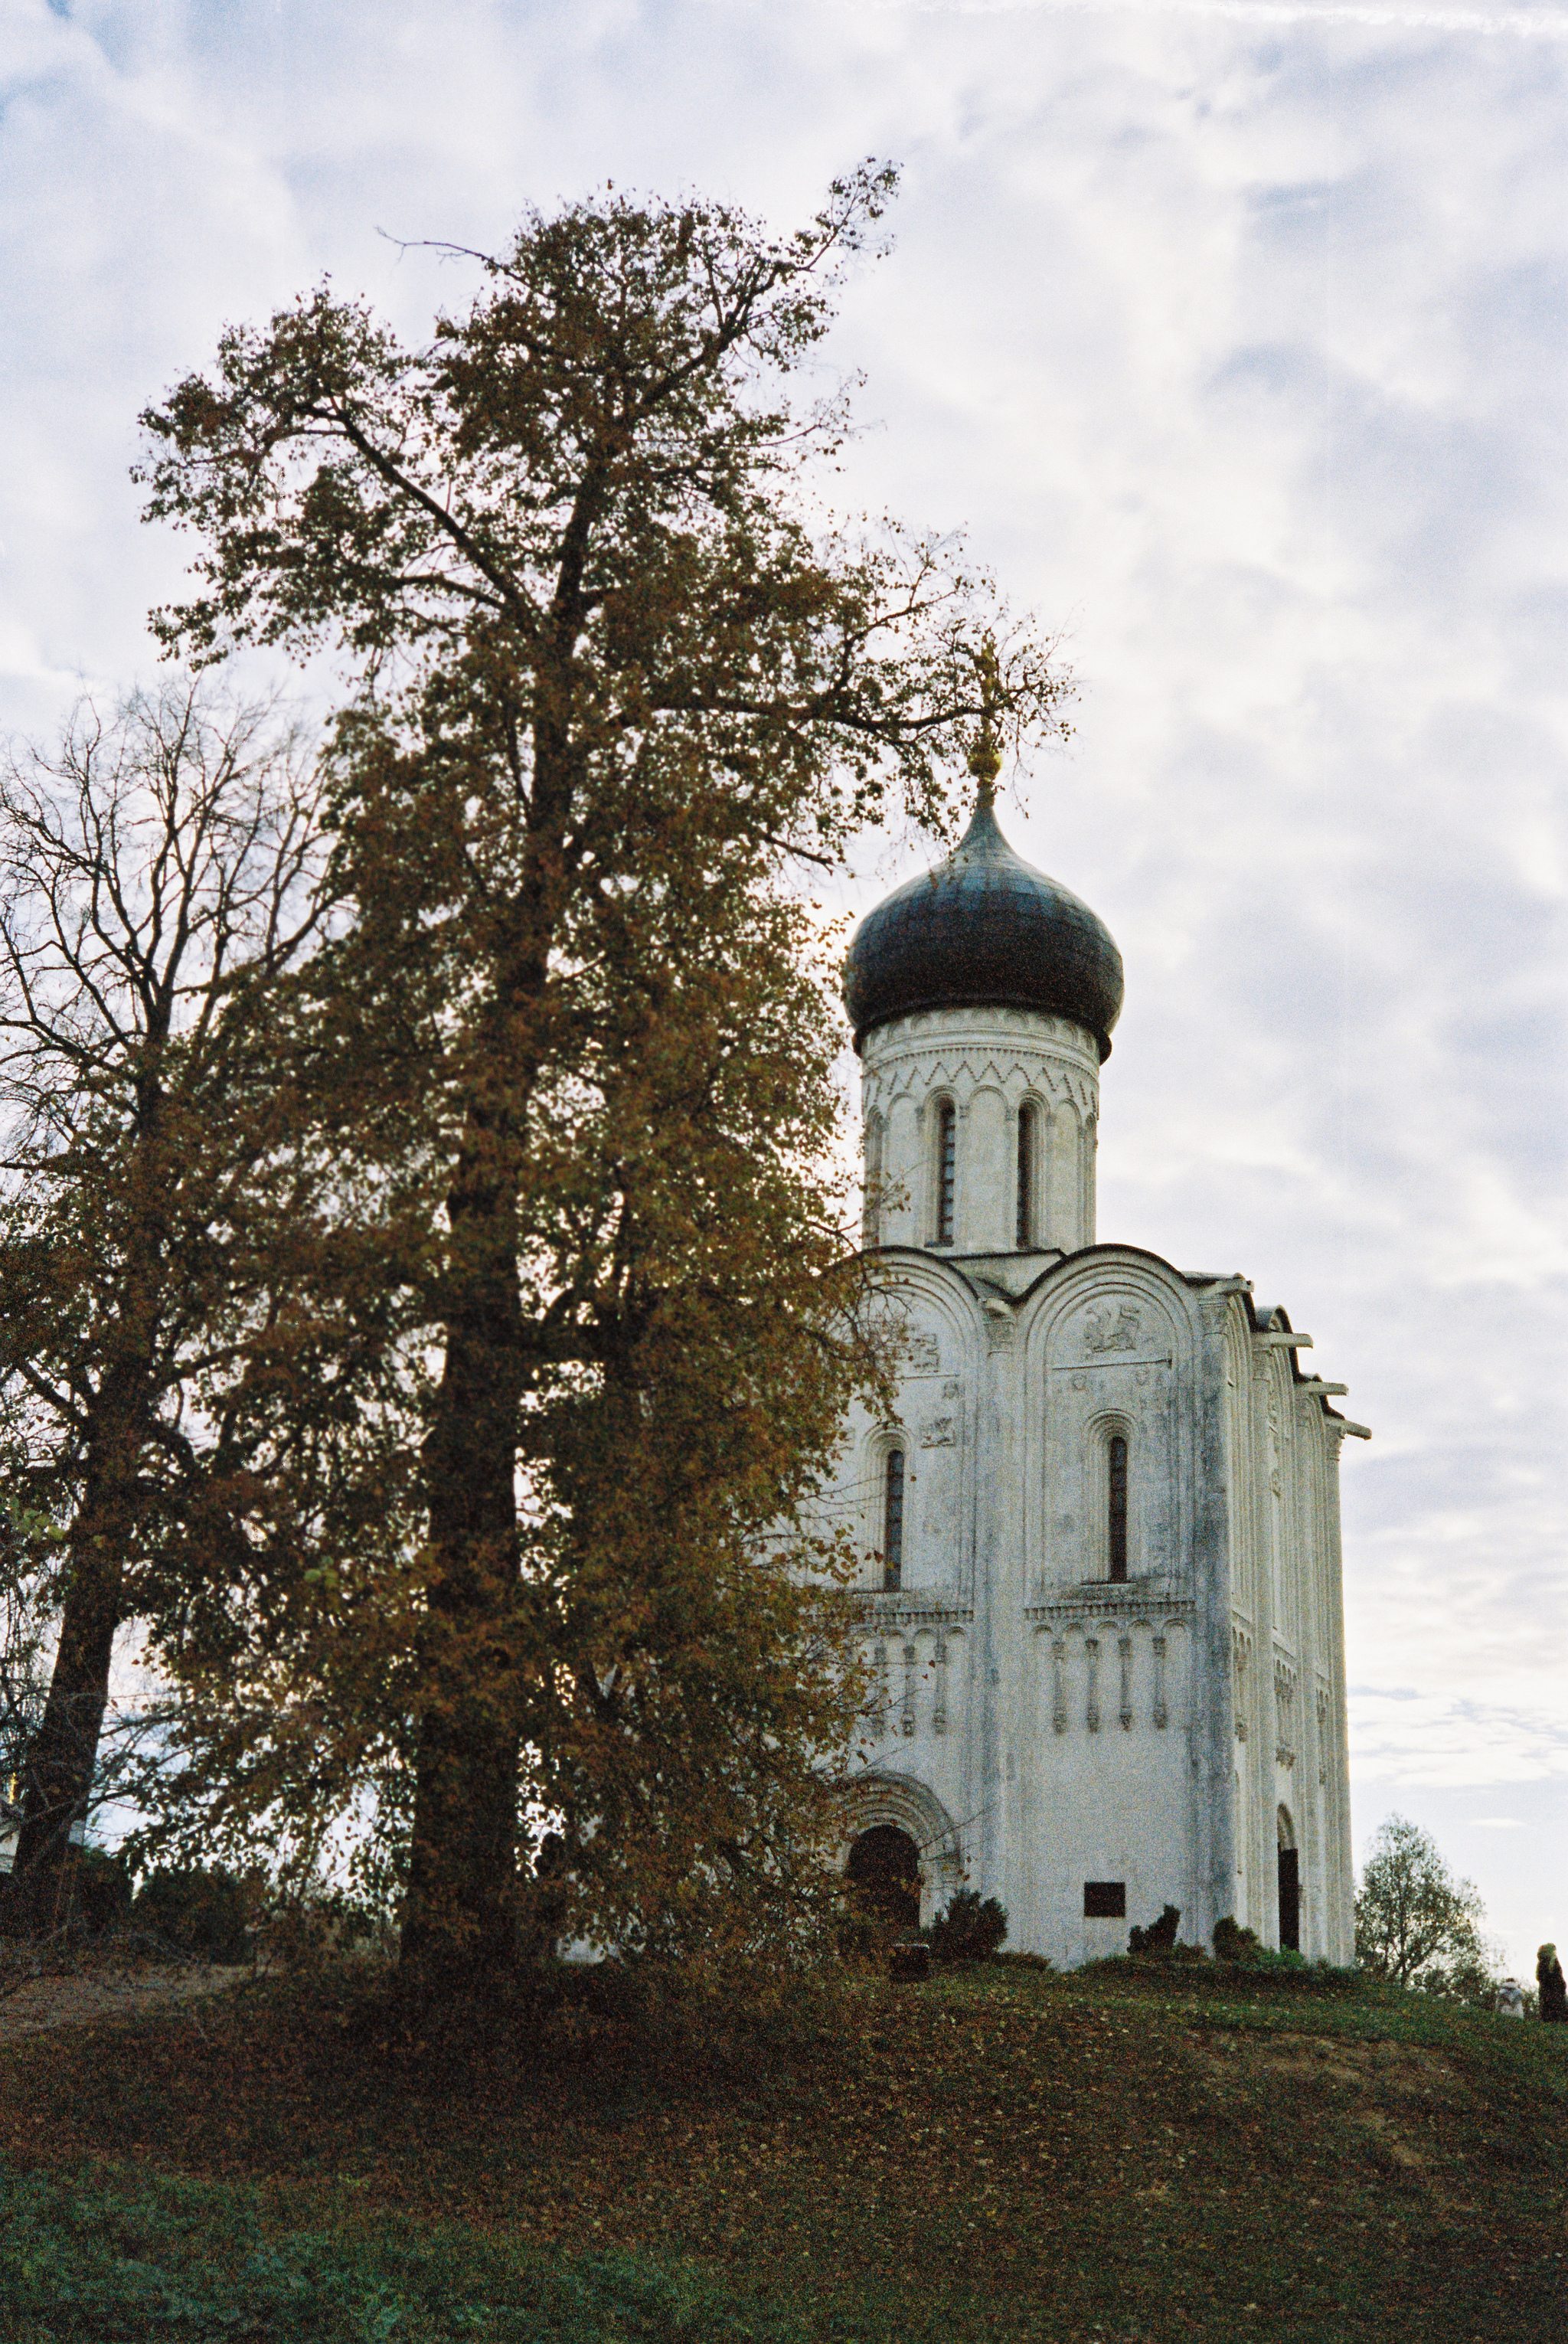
(131, 2255)
(1126, 2154)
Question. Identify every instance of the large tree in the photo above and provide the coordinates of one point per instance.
(610, 691)
(159, 867)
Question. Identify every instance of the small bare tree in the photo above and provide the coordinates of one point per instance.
(159, 873)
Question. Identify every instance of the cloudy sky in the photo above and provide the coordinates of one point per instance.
(1234, 336)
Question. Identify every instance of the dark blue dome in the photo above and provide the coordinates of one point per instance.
(983, 930)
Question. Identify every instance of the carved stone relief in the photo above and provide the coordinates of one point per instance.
(1099, 1334)
(1284, 1713)
(1241, 1657)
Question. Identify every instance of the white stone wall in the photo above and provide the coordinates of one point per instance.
(1292, 1767)
(989, 1062)
(1067, 1728)
(1059, 1721)
(1127, 1786)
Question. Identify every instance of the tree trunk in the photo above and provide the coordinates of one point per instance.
(57, 1775)
(461, 1921)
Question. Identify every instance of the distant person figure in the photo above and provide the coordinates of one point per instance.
(1511, 1999)
(1553, 1988)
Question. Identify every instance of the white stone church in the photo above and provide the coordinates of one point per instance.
(1102, 1530)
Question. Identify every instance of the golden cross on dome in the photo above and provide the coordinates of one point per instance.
(985, 757)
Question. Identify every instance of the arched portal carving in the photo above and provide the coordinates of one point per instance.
(873, 1801)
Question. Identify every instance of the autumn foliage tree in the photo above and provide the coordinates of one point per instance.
(612, 692)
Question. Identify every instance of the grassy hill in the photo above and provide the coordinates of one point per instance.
(1124, 2154)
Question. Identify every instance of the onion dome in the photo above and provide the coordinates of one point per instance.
(984, 929)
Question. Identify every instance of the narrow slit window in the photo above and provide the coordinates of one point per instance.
(947, 1170)
(893, 1520)
(1025, 1233)
(873, 1217)
(1116, 1510)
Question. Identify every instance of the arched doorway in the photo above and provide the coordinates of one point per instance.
(910, 1808)
(884, 1871)
(1290, 1884)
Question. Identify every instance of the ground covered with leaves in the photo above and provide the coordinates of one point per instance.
(1131, 2153)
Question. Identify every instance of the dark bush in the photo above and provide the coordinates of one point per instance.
(203, 1913)
(1233, 1943)
(972, 1929)
(542, 1901)
(1160, 1937)
(860, 1937)
(103, 1891)
(1286, 1967)
(1471, 1983)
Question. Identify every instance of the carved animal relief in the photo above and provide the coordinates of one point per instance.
(1099, 1334)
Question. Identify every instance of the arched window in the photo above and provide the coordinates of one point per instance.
(893, 1520)
(1116, 1504)
(1026, 1128)
(947, 1169)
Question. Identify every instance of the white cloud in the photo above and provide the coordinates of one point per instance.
(1411, 1739)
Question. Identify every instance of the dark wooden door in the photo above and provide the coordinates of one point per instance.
(1289, 1899)
(885, 1868)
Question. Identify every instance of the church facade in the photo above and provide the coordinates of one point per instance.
(1102, 1582)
